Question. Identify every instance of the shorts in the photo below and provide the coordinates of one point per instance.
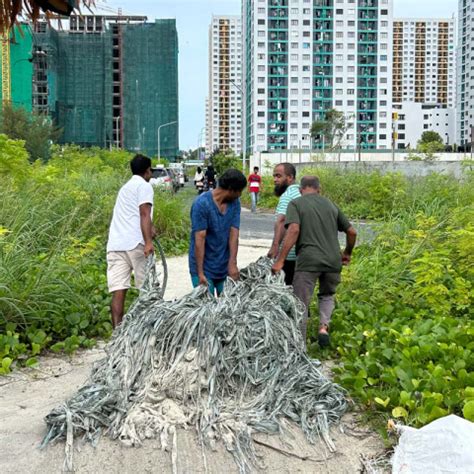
(215, 285)
(120, 266)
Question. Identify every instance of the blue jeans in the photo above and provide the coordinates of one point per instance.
(215, 285)
(254, 197)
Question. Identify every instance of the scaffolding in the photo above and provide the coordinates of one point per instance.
(109, 81)
(16, 70)
(150, 87)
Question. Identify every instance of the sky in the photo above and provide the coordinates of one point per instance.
(193, 18)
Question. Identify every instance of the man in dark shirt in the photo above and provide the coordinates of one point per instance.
(215, 220)
(313, 223)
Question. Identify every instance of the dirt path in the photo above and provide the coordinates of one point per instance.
(28, 395)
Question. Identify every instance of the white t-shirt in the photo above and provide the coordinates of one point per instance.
(125, 232)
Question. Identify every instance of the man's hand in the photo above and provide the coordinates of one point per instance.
(273, 252)
(149, 249)
(277, 267)
(203, 280)
(234, 272)
(346, 258)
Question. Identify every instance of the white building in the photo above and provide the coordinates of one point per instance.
(424, 61)
(411, 119)
(465, 76)
(224, 104)
(302, 57)
(424, 79)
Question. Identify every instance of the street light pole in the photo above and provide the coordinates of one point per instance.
(159, 128)
(243, 124)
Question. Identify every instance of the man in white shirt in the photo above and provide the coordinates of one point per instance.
(130, 236)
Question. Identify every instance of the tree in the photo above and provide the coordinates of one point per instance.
(332, 129)
(430, 137)
(223, 160)
(430, 143)
(36, 130)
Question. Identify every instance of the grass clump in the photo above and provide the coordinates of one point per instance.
(54, 221)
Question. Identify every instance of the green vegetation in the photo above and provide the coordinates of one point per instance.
(54, 221)
(36, 130)
(330, 131)
(373, 195)
(224, 160)
(403, 328)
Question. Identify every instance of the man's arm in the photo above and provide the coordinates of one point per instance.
(199, 250)
(291, 238)
(351, 236)
(233, 248)
(278, 234)
(146, 226)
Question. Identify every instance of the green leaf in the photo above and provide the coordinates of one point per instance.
(32, 361)
(469, 392)
(73, 319)
(35, 348)
(384, 403)
(6, 363)
(468, 410)
(58, 347)
(399, 412)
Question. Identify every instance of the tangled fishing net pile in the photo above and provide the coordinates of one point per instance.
(228, 367)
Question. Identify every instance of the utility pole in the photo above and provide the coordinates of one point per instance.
(159, 128)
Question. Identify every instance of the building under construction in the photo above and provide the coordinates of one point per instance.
(107, 81)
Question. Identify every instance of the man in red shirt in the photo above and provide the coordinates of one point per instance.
(255, 181)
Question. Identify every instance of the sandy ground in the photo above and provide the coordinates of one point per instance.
(28, 395)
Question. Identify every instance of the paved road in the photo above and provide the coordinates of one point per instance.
(260, 226)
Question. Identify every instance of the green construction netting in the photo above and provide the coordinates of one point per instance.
(150, 87)
(81, 86)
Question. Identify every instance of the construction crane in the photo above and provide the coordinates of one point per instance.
(6, 66)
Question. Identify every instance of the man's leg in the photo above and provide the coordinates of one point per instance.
(303, 286)
(117, 307)
(289, 269)
(253, 197)
(119, 271)
(326, 298)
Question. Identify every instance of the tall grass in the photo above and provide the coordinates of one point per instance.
(373, 195)
(54, 221)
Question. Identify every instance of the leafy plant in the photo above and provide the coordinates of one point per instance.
(54, 224)
(403, 328)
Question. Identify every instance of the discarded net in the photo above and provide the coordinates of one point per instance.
(229, 367)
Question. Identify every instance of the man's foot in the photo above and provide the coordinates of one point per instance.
(323, 336)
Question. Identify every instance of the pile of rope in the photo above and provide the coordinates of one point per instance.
(229, 367)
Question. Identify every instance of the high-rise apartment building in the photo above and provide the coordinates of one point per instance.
(424, 61)
(303, 57)
(465, 76)
(424, 79)
(224, 103)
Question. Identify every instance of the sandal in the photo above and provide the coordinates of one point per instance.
(323, 336)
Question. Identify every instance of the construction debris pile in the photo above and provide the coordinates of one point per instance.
(227, 367)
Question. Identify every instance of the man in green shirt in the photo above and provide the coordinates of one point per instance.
(284, 178)
(312, 223)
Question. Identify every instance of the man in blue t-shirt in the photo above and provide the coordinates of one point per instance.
(215, 223)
